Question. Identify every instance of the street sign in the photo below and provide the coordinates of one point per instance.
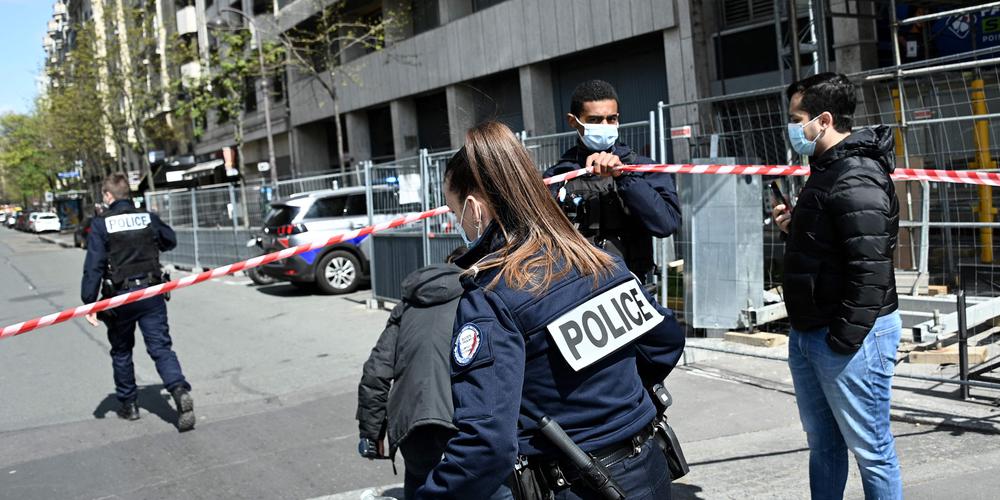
(49, 197)
(68, 175)
(923, 114)
(263, 166)
(680, 132)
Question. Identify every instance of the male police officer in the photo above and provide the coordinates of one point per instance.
(123, 251)
(617, 211)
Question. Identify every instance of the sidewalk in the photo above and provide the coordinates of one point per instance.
(915, 401)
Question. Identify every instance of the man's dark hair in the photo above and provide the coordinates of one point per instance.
(590, 91)
(117, 185)
(456, 254)
(832, 92)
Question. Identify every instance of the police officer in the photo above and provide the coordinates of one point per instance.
(548, 327)
(618, 211)
(123, 251)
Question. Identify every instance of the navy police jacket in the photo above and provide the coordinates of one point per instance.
(581, 354)
(96, 262)
(650, 199)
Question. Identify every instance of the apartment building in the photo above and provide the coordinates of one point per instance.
(452, 63)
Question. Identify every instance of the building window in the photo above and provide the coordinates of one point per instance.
(261, 7)
(741, 12)
(478, 5)
(425, 16)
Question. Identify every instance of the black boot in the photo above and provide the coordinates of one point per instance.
(128, 411)
(185, 409)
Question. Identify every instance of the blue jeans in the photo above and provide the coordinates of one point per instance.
(151, 316)
(843, 403)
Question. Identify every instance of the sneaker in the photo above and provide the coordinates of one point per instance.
(128, 411)
(185, 409)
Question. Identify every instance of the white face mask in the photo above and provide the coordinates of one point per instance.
(469, 243)
(598, 136)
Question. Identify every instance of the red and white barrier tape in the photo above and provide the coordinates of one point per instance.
(961, 177)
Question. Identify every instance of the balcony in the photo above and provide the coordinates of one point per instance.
(187, 21)
(189, 72)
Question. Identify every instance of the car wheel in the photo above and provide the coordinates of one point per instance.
(259, 278)
(338, 272)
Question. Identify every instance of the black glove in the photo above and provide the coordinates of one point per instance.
(368, 448)
(107, 315)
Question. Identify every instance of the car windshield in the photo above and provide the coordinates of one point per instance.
(47, 217)
(281, 215)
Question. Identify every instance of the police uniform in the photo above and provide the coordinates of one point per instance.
(122, 256)
(581, 355)
(622, 214)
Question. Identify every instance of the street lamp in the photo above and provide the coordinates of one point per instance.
(263, 83)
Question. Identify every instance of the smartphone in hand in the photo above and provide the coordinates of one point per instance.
(779, 197)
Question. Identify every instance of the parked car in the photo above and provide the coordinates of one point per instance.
(81, 234)
(3, 218)
(44, 222)
(12, 219)
(318, 215)
(22, 221)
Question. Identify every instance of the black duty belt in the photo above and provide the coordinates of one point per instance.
(608, 455)
(614, 453)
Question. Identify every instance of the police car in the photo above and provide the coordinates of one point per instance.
(319, 215)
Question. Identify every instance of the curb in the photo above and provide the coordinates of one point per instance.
(54, 241)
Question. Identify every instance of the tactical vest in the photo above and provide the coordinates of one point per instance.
(132, 249)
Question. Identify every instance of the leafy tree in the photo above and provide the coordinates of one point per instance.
(225, 92)
(26, 160)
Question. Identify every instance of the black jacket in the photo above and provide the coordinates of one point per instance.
(650, 200)
(839, 271)
(407, 378)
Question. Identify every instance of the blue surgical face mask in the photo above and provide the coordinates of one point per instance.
(797, 137)
(598, 136)
(461, 229)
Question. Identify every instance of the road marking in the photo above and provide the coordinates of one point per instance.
(358, 494)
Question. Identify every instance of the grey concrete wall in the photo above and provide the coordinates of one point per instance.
(510, 35)
(537, 102)
(359, 142)
(310, 149)
(404, 127)
(461, 112)
(855, 40)
(687, 56)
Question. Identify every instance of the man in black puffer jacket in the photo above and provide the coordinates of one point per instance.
(406, 385)
(840, 288)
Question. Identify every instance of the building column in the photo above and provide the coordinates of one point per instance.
(359, 142)
(404, 128)
(687, 57)
(461, 112)
(537, 101)
(311, 152)
(855, 44)
(449, 10)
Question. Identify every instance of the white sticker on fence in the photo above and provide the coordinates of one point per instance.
(409, 189)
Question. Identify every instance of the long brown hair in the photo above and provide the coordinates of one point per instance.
(495, 165)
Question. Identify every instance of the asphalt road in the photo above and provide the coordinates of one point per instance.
(275, 373)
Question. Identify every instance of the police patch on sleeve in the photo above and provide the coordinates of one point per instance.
(467, 344)
(603, 324)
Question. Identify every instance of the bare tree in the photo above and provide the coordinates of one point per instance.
(321, 48)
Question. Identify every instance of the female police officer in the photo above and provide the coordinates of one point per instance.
(548, 326)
